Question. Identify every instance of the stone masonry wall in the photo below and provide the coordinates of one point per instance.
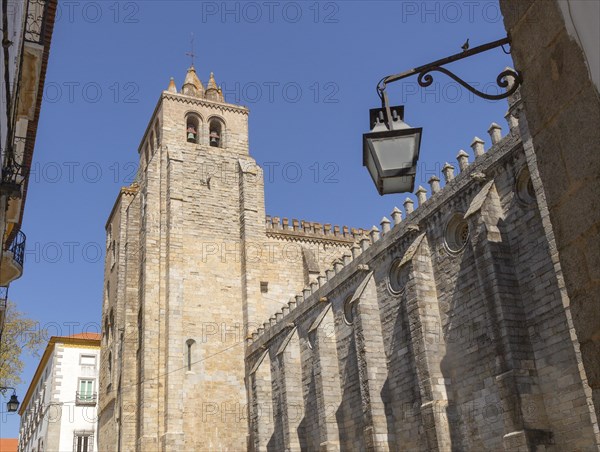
(562, 106)
(444, 331)
(113, 317)
(198, 267)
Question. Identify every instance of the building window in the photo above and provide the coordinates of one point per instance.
(311, 339)
(216, 133)
(146, 154)
(192, 129)
(87, 360)
(140, 329)
(106, 330)
(349, 310)
(143, 206)
(86, 394)
(113, 254)
(109, 235)
(157, 134)
(524, 188)
(457, 233)
(109, 325)
(398, 277)
(264, 287)
(190, 345)
(83, 442)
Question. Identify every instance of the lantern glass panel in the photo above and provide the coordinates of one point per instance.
(395, 152)
(402, 184)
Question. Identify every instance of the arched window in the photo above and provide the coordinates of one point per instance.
(146, 153)
(152, 142)
(215, 135)
(157, 134)
(111, 324)
(189, 360)
(109, 367)
(192, 129)
(106, 330)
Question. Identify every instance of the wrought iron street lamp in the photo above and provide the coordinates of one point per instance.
(13, 404)
(391, 151)
(391, 148)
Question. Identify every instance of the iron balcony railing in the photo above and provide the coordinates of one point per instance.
(35, 26)
(85, 398)
(17, 247)
(13, 174)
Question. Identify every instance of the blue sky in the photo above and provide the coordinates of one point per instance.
(306, 70)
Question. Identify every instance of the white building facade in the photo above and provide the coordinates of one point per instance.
(59, 411)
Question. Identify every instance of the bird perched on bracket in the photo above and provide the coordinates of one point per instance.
(465, 46)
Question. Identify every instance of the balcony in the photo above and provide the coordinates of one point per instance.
(82, 398)
(13, 254)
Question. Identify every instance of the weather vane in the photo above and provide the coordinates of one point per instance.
(191, 54)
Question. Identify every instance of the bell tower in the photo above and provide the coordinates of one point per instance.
(178, 289)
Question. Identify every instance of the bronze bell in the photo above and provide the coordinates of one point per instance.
(214, 139)
(191, 135)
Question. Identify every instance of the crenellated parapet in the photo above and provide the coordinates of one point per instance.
(303, 230)
(404, 224)
(432, 320)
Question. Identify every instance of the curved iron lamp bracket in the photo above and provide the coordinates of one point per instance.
(3, 389)
(426, 79)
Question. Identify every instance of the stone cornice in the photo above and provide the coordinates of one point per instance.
(341, 274)
(204, 103)
(301, 237)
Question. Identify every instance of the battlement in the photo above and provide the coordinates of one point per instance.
(378, 238)
(311, 231)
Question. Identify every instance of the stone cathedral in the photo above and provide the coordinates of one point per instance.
(446, 328)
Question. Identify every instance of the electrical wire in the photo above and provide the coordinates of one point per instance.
(166, 373)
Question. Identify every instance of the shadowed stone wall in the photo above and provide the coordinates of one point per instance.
(445, 331)
(562, 107)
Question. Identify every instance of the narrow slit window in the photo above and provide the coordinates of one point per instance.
(190, 344)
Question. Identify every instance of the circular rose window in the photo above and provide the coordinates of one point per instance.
(524, 187)
(349, 310)
(398, 277)
(457, 233)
